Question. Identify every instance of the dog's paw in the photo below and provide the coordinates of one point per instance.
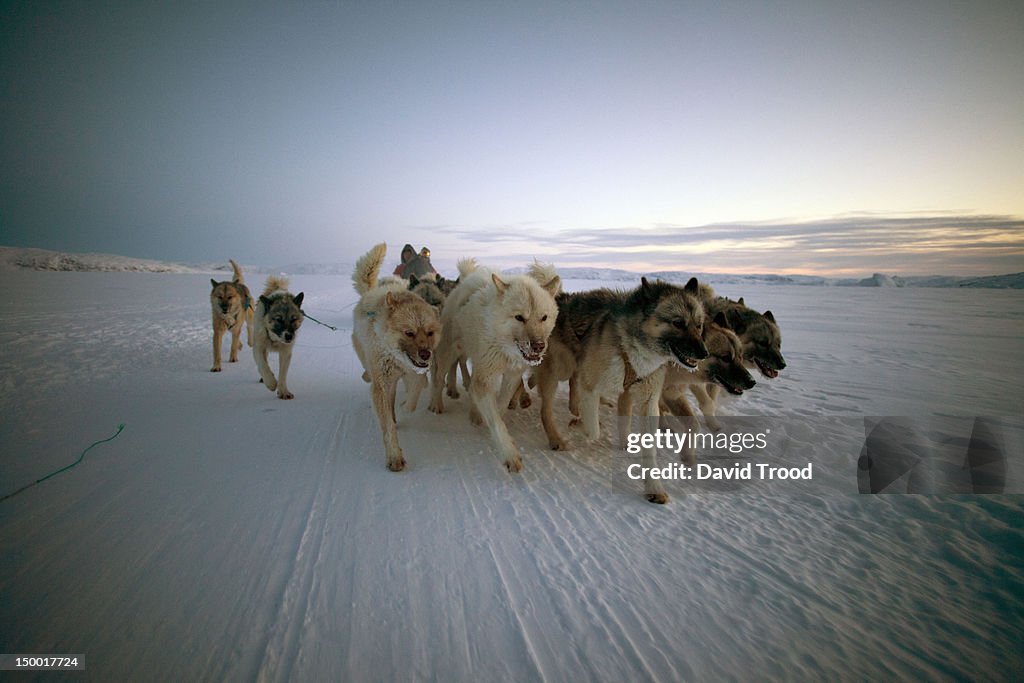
(271, 385)
(574, 421)
(558, 444)
(514, 465)
(436, 407)
(713, 423)
(215, 368)
(453, 393)
(659, 498)
(285, 394)
(475, 417)
(396, 464)
(525, 401)
(688, 456)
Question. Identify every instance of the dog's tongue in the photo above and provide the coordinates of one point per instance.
(771, 373)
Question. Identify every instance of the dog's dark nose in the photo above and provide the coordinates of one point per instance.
(288, 336)
(749, 384)
(538, 346)
(424, 354)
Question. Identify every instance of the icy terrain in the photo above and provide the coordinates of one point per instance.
(230, 535)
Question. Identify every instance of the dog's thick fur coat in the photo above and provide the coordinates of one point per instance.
(277, 321)
(759, 337)
(501, 325)
(231, 305)
(616, 344)
(394, 334)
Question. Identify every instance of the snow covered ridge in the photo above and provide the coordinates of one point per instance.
(42, 259)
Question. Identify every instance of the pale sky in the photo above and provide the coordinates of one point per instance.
(791, 137)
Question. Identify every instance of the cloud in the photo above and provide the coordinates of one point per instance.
(910, 244)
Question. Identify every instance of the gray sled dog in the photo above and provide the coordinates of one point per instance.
(501, 325)
(277, 321)
(616, 344)
(759, 337)
(724, 367)
(394, 334)
(230, 305)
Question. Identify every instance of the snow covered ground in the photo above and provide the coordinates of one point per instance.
(229, 535)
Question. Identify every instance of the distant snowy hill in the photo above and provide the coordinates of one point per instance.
(42, 259)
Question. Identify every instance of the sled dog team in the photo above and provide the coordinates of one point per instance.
(643, 348)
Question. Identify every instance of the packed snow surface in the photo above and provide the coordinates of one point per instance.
(230, 535)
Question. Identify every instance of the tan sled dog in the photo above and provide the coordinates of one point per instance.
(231, 305)
(277, 321)
(501, 325)
(394, 334)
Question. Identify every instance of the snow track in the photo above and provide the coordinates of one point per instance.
(229, 535)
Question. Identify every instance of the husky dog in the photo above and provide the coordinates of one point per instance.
(394, 334)
(759, 336)
(429, 289)
(611, 343)
(723, 367)
(231, 305)
(278, 318)
(501, 325)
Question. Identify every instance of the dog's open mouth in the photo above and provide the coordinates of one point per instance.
(530, 354)
(734, 390)
(770, 373)
(683, 359)
(419, 362)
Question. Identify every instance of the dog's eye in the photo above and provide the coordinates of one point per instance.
(430, 334)
(678, 324)
(410, 334)
(520, 318)
(543, 318)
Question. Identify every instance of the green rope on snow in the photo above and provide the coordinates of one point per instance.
(318, 322)
(120, 428)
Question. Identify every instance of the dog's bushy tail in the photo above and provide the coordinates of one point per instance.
(364, 277)
(275, 283)
(466, 266)
(239, 278)
(546, 277)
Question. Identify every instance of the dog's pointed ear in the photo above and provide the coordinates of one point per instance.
(500, 284)
(553, 286)
(768, 314)
(213, 282)
(740, 302)
(266, 303)
(721, 320)
(735, 321)
(692, 287)
(298, 299)
(439, 281)
(389, 300)
(413, 280)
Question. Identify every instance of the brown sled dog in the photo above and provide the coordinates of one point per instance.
(230, 305)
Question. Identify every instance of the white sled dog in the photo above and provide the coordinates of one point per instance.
(501, 325)
(394, 334)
